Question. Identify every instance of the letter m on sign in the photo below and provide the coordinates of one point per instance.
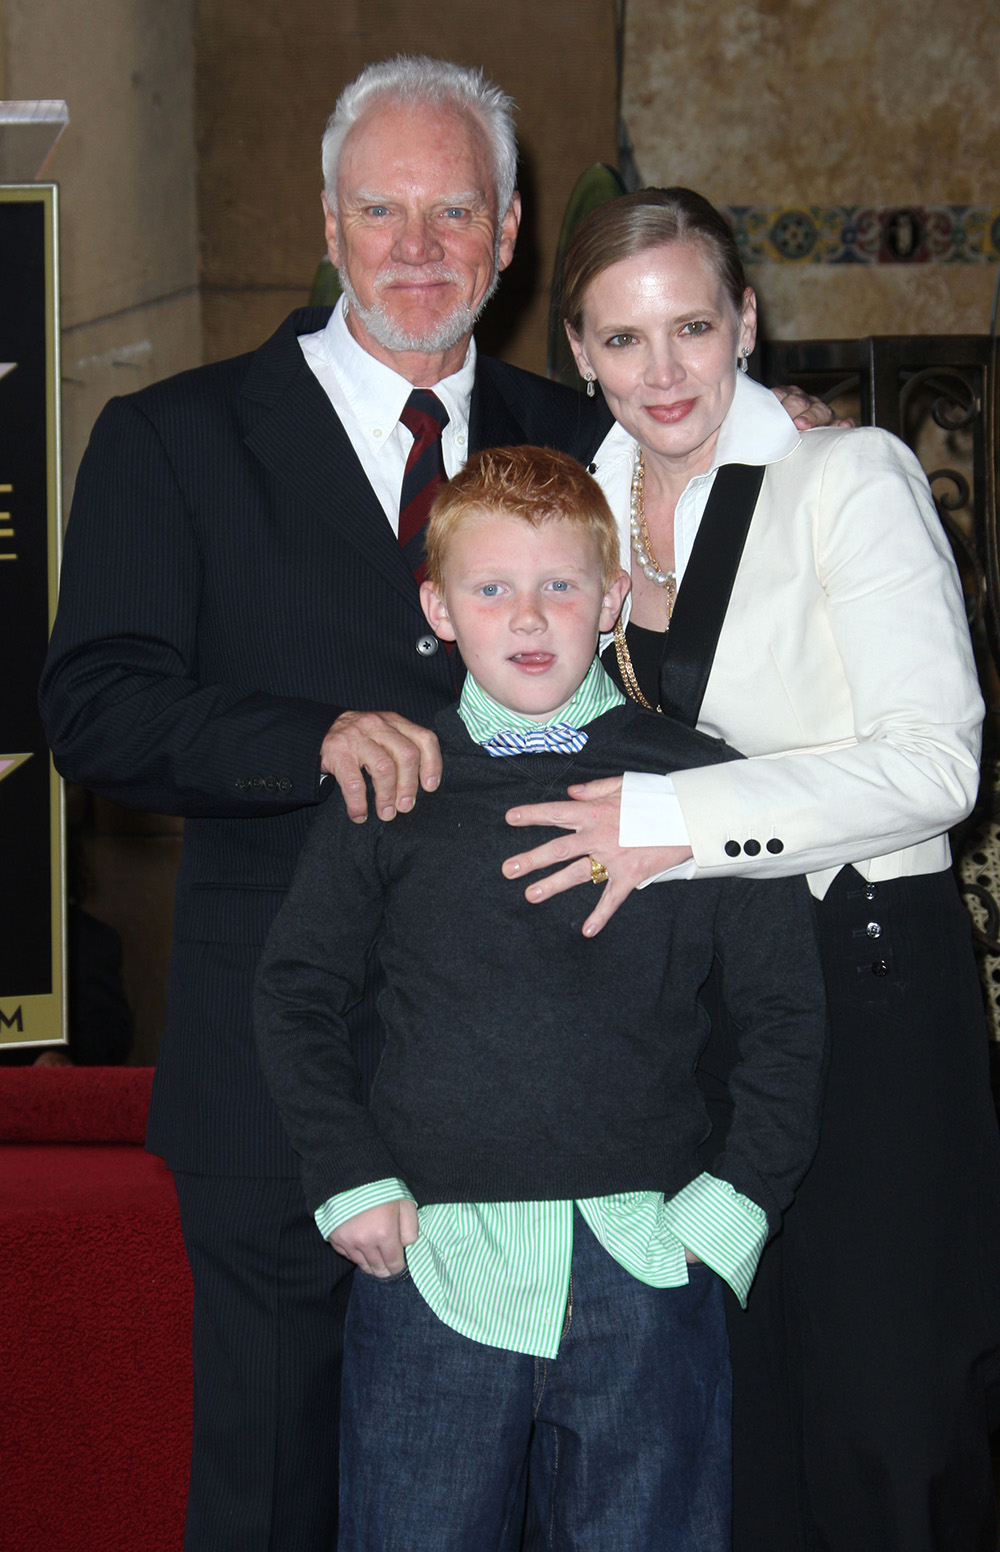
(14, 1022)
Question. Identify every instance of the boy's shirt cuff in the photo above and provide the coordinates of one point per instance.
(347, 1204)
(721, 1227)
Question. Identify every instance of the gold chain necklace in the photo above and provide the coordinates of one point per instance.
(652, 569)
(626, 670)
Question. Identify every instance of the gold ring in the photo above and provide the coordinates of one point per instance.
(598, 872)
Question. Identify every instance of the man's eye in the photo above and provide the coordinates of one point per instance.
(456, 212)
(559, 587)
(490, 590)
(377, 210)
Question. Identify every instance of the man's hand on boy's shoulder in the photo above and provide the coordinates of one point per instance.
(375, 1240)
(398, 755)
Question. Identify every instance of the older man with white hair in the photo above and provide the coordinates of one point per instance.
(235, 601)
(240, 591)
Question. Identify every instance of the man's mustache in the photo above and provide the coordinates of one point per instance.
(407, 274)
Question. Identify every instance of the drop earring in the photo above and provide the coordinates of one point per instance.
(589, 378)
(744, 353)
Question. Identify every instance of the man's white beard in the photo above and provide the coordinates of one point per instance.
(442, 335)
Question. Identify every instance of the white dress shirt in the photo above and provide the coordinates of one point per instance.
(369, 397)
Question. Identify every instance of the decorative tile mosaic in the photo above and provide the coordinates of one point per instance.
(866, 234)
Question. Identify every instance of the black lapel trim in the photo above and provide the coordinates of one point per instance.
(703, 597)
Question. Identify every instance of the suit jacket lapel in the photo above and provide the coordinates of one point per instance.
(301, 442)
(510, 408)
(491, 422)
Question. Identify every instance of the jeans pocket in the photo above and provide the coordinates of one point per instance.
(387, 1282)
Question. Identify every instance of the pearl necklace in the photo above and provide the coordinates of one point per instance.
(641, 545)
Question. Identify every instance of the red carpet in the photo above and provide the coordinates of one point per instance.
(95, 1379)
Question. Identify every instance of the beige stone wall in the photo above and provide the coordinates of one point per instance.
(130, 314)
(125, 170)
(800, 102)
(268, 76)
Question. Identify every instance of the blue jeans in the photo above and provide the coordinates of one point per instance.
(628, 1429)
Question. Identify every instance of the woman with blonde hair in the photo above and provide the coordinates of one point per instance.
(796, 596)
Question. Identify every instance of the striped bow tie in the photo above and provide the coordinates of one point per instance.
(560, 738)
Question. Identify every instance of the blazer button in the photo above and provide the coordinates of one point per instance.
(751, 848)
(284, 785)
(270, 784)
(880, 967)
(870, 891)
(257, 782)
(732, 848)
(775, 847)
(874, 930)
(241, 784)
(427, 645)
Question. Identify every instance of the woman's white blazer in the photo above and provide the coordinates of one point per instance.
(844, 670)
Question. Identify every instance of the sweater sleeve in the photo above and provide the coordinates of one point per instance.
(311, 971)
(773, 990)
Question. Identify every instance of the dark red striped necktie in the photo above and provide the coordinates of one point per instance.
(426, 417)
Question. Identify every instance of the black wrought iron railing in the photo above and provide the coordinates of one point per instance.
(916, 386)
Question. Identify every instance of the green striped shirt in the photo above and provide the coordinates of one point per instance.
(498, 1272)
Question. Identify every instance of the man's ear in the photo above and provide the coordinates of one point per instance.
(614, 597)
(434, 607)
(330, 230)
(508, 231)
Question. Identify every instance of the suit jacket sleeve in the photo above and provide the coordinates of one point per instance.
(853, 687)
(124, 702)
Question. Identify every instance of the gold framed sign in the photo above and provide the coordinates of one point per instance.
(32, 913)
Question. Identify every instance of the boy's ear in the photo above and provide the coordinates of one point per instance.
(614, 597)
(434, 607)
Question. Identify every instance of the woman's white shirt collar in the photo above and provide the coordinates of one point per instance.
(756, 431)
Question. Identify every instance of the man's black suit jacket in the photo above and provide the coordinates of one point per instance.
(229, 586)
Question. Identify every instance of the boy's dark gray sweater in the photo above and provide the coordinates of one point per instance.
(524, 1061)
